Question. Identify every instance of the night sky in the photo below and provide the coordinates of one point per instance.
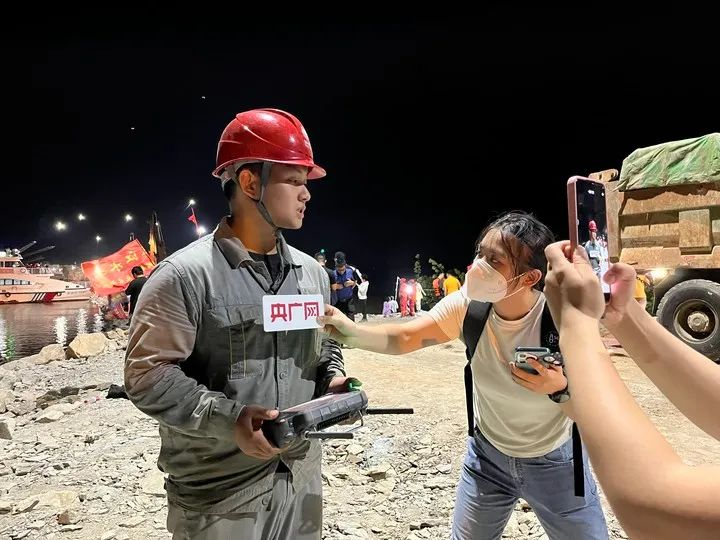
(427, 129)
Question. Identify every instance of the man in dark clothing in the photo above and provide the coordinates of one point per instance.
(320, 258)
(346, 280)
(135, 286)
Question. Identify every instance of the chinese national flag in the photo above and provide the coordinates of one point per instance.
(111, 274)
(192, 217)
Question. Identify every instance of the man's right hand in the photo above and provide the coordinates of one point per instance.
(336, 286)
(338, 325)
(248, 435)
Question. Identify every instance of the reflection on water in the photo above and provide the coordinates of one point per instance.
(61, 330)
(27, 328)
(82, 321)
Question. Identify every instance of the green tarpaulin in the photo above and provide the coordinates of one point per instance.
(692, 161)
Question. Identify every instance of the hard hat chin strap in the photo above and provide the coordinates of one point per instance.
(232, 176)
(264, 181)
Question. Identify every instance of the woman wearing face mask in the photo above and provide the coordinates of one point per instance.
(521, 445)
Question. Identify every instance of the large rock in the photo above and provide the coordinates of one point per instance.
(50, 353)
(85, 345)
(154, 484)
(115, 334)
(21, 408)
(59, 500)
(116, 345)
(51, 396)
(6, 396)
(8, 379)
(6, 428)
(50, 415)
(64, 408)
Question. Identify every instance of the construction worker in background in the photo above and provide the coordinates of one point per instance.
(347, 279)
(200, 363)
(593, 247)
(451, 283)
(411, 287)
(403, 296)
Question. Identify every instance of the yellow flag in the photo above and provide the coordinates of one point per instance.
(153, 247)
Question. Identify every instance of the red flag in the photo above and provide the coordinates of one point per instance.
(192, 218)
(111, 274)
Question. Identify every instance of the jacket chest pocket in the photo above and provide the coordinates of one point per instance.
(240, 347)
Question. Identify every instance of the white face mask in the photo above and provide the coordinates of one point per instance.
(485, 284)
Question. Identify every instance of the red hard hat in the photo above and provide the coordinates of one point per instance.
(592, 226)
(266, 135)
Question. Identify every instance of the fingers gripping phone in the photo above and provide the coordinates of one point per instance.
(541, 354)
(587, 221)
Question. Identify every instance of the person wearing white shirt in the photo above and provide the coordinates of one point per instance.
(362, 297)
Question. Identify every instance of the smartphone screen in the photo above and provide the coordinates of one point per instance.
(592, 226)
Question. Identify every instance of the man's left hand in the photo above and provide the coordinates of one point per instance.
(548, 380)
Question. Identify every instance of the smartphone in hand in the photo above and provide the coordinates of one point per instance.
(587, 222)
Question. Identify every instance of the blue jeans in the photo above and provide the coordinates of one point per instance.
(491, 483)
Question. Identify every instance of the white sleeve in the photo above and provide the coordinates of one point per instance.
(449, 314)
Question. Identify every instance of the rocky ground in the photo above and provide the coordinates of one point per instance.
(76, 465)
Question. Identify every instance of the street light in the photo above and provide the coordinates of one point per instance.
(191, 202)
(201, 230)
(128, 217)
(60, 226)
(98, 238)
(81, 217)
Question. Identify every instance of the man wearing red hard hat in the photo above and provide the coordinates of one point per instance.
(594, 248)
(199, 361)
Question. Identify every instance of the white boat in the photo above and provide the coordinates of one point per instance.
(20, 284)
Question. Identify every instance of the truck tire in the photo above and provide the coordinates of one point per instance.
(691, 311)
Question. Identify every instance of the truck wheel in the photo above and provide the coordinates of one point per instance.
(691, 311)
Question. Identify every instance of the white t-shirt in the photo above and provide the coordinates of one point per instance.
(518, 422)
(363, 289)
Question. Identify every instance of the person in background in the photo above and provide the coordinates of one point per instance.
(639, 294)
(362, 297)
(410, 287)
(419, 295)
(451, 283)
(322, 261)
(387, 307)
(346, 280)
(135, 286)
(438, 285)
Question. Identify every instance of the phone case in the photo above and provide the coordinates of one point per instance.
(572, 211)
(314, 415)
(541, 354)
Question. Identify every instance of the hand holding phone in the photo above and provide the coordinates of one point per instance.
(540, 354)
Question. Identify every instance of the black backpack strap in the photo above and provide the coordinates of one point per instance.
(473, 326)
(550, 338)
